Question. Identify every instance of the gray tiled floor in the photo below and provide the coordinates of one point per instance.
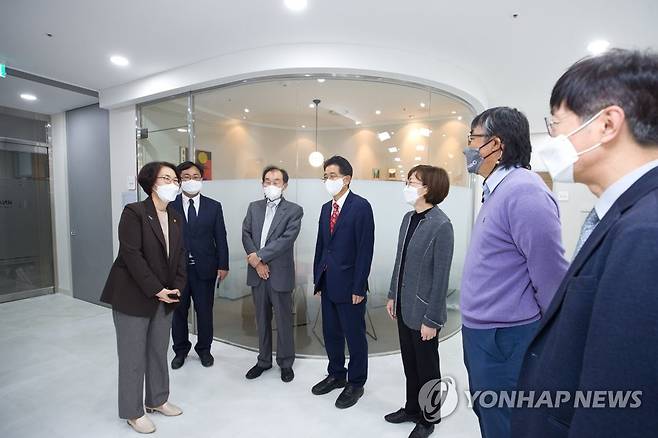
(58, 379)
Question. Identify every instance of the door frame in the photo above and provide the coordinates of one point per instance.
(20, 145)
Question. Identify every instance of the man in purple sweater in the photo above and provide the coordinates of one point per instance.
(514, 264)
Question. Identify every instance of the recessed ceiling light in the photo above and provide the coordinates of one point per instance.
(453, 112)
(357, 123)
(420, 147)
(400, 166)
(597, 47)
(397, 159)
(244, 117)
(181, 130)
(311, 105)
(27, 96)
(393, 149)
(321, 80)
(459, 118)
(246, 110)
(119, 60)
(417, 158)
(422, 104)
(425, 132)
(383, 136)
(378, 112)
(443, 135)
(296, 5)
(303, 126)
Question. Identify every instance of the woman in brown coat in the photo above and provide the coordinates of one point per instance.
(143, 288)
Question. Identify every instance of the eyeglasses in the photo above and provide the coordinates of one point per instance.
(331, 177)
(190, 178)
(550, 125)
(471, 136)
(169, 180)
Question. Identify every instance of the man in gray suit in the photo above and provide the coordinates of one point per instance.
(269, 231)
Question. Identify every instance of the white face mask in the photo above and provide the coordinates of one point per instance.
(192, 186)
(410, 195)
(168, 192)
(334, 186)
(560, 155)
(272, 192)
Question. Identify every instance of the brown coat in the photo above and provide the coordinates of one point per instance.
(142, 268)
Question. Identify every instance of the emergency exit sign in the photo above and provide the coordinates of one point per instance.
(3, 71)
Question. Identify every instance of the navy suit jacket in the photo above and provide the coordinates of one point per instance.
(206, 240)
(600, 332)
(342, 259)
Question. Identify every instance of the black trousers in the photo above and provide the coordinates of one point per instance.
(203, 294)
(420, 360)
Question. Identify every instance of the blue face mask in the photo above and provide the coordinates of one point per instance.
(473, 158)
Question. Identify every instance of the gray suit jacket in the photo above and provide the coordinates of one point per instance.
(278, 250)
(426, 270)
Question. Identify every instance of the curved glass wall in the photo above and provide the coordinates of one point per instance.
(382, 127)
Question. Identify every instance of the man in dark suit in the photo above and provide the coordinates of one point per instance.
(594, 359)
(269, 231)
(343, 255)
(207, 259)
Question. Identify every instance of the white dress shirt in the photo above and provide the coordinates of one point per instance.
(270, 211)
(340, 202)
(617, 189)
(186, 203)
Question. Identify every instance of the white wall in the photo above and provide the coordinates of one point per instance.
(60, 188)
(574, 200)
(123, 162)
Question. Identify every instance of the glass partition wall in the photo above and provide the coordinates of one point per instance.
(382, 127)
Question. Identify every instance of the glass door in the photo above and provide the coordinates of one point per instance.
(26, 243)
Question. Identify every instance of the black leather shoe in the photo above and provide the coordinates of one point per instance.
(206, 359)
(256, 371)
(287, 374)
(402, 416)
(422, 431)
(327, 385)
(348, 398)
(178, 361)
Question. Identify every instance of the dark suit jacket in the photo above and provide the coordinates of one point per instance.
(342, 259)
(601, 329)
(142, 268)
(278, 252)
(206, 240)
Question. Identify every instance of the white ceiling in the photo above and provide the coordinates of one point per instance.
(516, 60)
(285, 103)
(51, 100)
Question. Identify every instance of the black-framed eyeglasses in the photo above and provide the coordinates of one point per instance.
(189, 178)
(472, 136)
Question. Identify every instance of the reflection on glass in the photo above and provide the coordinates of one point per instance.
(382, 128)
(26, 256)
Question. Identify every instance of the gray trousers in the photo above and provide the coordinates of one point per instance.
(142, 345)
(266, 299)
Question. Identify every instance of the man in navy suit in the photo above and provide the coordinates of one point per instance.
(594, 359)
(207, 259)
(343, 255)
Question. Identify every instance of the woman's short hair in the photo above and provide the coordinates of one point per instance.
(148, 174)
(435, 179)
